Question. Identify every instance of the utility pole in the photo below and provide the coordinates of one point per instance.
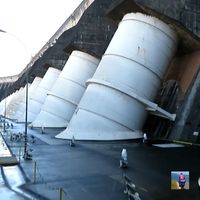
(26, 112)
(4, 125)
(4, 120)
(26, 117)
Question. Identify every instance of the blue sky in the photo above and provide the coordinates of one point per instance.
(30, 24)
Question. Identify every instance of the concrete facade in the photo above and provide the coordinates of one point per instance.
(91, 27)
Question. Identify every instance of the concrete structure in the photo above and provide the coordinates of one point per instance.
(20, 113)
(90, 29)
(4, 103)
(38, 97)
(130, 72)
(21, 105)
(12, 107)
(2, 106)
(67, 91)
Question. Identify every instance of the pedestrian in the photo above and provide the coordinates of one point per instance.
(181, 180)
(42, 130)
(144, 138)
(124, 159)
(72, 144)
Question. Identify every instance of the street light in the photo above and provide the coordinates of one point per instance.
(26, 118)
(26, 99)
(4, 121)
(4, 125)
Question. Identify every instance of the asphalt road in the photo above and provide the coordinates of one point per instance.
(90, 170)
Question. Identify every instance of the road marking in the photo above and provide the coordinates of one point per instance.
(170, 145)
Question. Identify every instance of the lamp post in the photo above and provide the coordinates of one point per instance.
(26, 98)
(26, 118)
(4, 121)
(4, 126)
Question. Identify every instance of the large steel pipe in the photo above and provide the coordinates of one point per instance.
(4, 103)
(11, 108)
(20, 113)
(67, 91)
(2, 106)
(38, 97)
(130, 72)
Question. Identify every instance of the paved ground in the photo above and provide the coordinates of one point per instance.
(90, 170)
(8, 171)
(6, 193)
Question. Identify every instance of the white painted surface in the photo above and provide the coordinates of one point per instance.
(21, 105)
(38, 97)
(4, 103)
(136, 58)
(170, 145)
(20, 114)
(11, 108)
(67, 91)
